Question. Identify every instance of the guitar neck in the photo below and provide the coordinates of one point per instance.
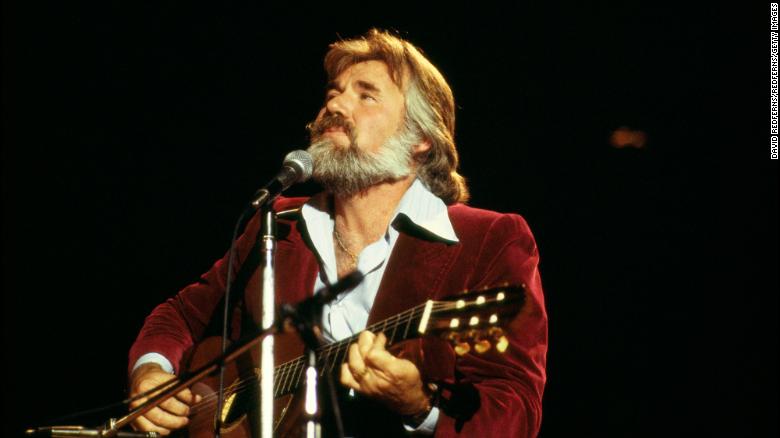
(481, 312)
(403, 326)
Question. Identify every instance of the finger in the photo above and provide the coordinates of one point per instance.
(377, 356)
(365, 341)
(165, 419)
(175, 406)
(380, 361)
(380, 340)
(147, 386)
(141, 423)
(355, 362)
(186, 396)
(347, 379)
(138, 402)
(377, 350)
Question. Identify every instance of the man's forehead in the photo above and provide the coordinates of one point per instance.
(365, 74)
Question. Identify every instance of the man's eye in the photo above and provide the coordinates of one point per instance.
(365, 96)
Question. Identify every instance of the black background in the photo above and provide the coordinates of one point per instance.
(132, 136)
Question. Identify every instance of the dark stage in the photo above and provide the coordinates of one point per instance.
(133, 135)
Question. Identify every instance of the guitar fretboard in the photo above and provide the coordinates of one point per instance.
(289, 376)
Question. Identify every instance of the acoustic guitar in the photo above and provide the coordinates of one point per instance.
(470, 322)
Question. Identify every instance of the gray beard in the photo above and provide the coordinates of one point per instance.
(348, 171)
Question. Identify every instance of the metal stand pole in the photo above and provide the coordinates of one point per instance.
(311, 405)
(306, 317)
(269, 303)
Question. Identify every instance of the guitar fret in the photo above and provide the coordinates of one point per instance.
(406, 330)
(343, 348)
(395, 327)
(384, 327)
(331, 356)
(299, 367)
(283, 376)
(334, 356)
(330, 360)
(322, 361)
(286, 377)
(277, 379)
(290, 381)
(293, 383)
(285, 385)
(290, 384)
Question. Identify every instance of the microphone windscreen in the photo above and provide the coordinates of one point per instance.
(302, 161)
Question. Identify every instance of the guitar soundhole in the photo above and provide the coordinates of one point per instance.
(239, 399)
(230, 415)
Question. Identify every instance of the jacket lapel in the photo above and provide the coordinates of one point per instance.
(295, 270)
(296, 265)
(414, 274)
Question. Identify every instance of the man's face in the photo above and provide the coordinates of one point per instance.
(360, 138)
(363, 108)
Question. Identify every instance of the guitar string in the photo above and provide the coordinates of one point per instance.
(293, 367)
(287, 368)
(290, 368)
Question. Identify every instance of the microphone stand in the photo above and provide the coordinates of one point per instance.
(268, 233)
(168, 389)
(301, 316)
(306, 318)
(297, 167)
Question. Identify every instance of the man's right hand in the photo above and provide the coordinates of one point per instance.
(170, 414)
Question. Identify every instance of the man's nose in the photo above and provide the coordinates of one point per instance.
(338, 105)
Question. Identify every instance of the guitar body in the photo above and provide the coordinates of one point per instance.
(242, 392)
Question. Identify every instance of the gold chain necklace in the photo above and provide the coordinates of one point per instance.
(344, 247)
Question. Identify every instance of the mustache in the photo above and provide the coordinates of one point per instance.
(318, 127)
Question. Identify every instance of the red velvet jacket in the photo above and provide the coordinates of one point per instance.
(489, 394)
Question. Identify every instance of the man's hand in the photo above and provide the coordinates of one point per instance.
(170, 414)
(373, 371)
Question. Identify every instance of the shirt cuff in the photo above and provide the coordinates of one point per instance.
(157, 358)
(428, 425)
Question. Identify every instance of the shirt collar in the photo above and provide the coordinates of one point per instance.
(427, 211)
(418, 204)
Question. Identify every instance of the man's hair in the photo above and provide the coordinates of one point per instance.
(430, 106)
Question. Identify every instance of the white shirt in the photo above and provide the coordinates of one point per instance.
(347, 314)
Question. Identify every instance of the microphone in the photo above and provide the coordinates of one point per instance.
(312, 307)
(329, 293)
(305, 315)
(297, 167)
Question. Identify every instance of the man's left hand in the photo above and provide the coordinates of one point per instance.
(373, 371)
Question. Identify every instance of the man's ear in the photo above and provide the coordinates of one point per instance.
(421, 148)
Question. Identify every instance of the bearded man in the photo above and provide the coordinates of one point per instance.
(383, 148)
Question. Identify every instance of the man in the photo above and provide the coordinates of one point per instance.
(383, 148)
